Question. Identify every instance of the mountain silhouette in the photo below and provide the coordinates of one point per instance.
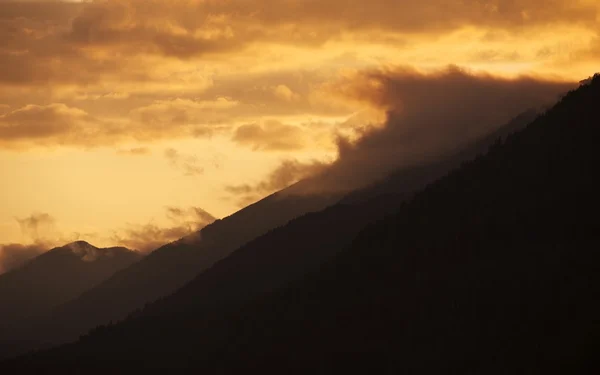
(52, 279)
(279, 256)
(492, 269)
(290, 252)
(170, 267)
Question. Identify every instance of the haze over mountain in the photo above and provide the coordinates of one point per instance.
(417, 163)
(491, 269)
(301, 246)
(53, 278)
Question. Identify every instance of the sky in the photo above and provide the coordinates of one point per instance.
(134, 122)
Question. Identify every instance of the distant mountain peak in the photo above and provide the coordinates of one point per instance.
(90, 253)
(80, 244)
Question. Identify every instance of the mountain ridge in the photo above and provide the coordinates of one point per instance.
(491, 269)
(53, 278)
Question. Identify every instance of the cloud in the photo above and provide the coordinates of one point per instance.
(34, 122)
(429, 115)
(190, 68)
(40, 230)
(39, 227)
(58, 124)
(286, 174)
(189, 164)
(34, 50)
(15, 255)
(271, 135)
(135, 151)
(190, 28)
(285, 93)
(199, 216)
(120, 42)
(146, 238)
(184, 112)
(591, 51)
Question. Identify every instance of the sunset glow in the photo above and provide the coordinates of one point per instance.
(118, 117)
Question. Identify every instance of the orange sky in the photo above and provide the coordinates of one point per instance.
(119, 117)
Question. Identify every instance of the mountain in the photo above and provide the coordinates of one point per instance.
(492, 269)
(54, 278)
(290, 252)
(170, 267)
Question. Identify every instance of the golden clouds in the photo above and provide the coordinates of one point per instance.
(271, 135)
(265, 81)
(71, 43)
(180, 112)
(188, 28)
(42, 123)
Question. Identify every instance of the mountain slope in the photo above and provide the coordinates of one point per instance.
(54, 278)
(493, 269)
(171, 266)
(301, 246)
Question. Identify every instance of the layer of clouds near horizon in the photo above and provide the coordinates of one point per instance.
(428, 116)
(43, 235)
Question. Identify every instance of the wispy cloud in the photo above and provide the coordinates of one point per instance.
(148, 237)
(188, 164)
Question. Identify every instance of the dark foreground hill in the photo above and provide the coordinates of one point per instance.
(52, 279)
(491, 270)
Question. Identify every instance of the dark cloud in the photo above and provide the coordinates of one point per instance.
(15, 255)
(60, 124)
(40, 122)
(146, 238)
(33, 49)
(428, 116)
